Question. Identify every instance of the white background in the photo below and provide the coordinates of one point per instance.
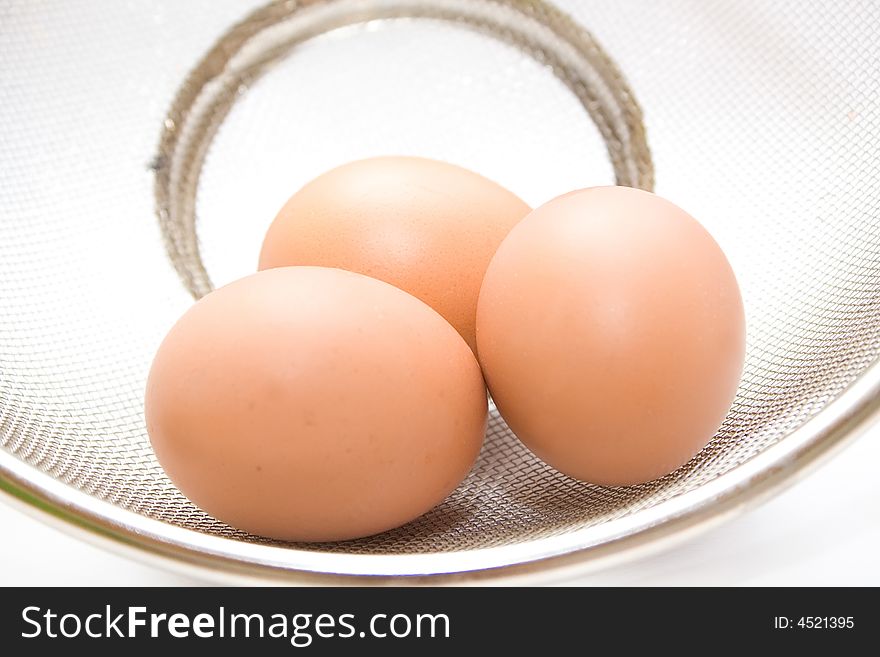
(825, 530)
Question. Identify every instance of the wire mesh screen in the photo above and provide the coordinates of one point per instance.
(763, 121)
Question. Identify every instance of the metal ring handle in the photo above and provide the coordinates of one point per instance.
(266, 36)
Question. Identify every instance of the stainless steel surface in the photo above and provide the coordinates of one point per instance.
(762, 120)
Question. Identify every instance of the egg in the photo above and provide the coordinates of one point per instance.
(427, 227)
(611, 333)
(314, 404)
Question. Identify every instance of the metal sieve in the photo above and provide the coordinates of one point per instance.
(146, 146)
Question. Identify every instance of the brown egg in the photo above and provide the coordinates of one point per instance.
(427, 227)
(611, 334)
(313, 404)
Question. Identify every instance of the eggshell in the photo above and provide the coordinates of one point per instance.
(314, 404)
(427, 227)
(611, 334)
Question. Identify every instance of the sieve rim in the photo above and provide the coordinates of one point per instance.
(234, 562)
